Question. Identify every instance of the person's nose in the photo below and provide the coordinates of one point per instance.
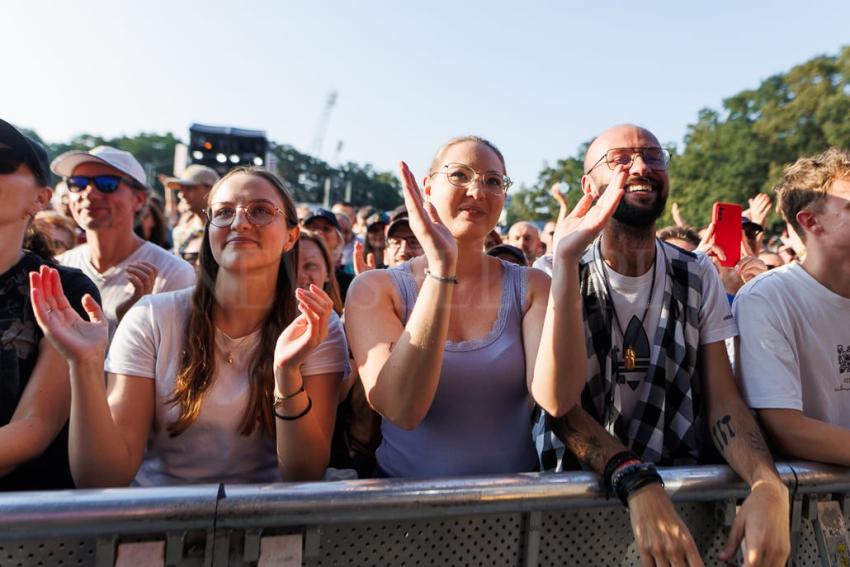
(639, 167)
(240, 220)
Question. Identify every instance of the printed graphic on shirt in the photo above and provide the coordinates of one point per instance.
(633, 358)
(843, 359)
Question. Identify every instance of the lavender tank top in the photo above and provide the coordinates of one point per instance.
(479, 422)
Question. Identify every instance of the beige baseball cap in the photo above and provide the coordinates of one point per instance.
(124, 162)
(195, 174)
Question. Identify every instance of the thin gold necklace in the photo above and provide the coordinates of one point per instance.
(228, 357)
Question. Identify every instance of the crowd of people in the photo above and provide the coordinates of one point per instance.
(227, 334)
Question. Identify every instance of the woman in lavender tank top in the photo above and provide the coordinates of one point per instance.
(455, 346)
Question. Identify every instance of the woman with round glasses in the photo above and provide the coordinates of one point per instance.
(454, 346)
(34, 391)
(234, 380)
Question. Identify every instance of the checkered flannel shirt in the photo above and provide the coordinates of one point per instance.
(668, 424)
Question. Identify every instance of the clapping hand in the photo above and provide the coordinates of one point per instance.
(578, 229)
(306, 331)
(75, 338)
(142, 276)
(434, 237)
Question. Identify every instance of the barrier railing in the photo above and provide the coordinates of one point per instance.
(523, 519)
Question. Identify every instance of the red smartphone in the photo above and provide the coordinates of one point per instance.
(727, 231)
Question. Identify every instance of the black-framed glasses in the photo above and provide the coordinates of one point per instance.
(654, 157)
(103, 183)
(222, 215)
(461, 175)
(10, 160)
(411, 241)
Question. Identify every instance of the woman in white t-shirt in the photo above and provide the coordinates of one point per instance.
(223, 382)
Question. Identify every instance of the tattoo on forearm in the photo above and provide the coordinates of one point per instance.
(758, 444)
(723, 432)
(586, 446)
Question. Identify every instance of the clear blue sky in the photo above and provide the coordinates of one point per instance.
(537, 78)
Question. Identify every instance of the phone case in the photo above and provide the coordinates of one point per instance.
(727, 231)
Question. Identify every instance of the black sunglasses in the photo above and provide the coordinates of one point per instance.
(103, 183)
(10, 160)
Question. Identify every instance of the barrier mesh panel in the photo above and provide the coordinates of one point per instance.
(475, 541)
(47, 553)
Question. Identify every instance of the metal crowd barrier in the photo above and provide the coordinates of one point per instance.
(523, 519)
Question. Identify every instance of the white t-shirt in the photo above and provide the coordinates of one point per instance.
(629, 296)
(795, 345)
(173, 273)
(149, 342)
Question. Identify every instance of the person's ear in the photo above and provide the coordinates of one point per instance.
(588, 186)
(809, 222)
(293, 234)
(40, 201)
(426, 186)
(141, 200)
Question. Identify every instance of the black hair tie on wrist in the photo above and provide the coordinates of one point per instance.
(294, 417)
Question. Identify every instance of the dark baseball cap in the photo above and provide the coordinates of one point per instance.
(382, 219)
(34, 153)
(322, 214)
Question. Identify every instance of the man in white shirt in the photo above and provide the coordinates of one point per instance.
(108, 188)
(794, 359)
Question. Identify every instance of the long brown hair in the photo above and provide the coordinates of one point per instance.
(198, 358)
(331, 287)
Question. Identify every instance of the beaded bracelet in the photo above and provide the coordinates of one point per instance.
(441, 279)
(294, 417)
(630, 478)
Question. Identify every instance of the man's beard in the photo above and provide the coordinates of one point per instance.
(641, 217)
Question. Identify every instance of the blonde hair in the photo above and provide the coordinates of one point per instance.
(806, 183)
(438, 157)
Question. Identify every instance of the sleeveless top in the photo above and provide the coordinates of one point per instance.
(479, 421)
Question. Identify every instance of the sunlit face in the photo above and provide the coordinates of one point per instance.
(833, 218)
(526, 237)
(312, 268)
(96, 211)
(194, 197)
(646, 188)
(21, 196)
(402, 245)
(243, 246)
(326, 230)
(471, 211)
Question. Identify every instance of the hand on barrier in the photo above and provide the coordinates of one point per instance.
(662, 538)
(306, 331)
(434, 237)
(75, 338)
(763, 520)
(578, 229)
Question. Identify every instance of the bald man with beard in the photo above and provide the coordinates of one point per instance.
(659, 388)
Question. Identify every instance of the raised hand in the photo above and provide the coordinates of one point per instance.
(578, 229)
(142, 276)
(759, 208)
(710, 248)
(555, 190)
(75, 338)
(676, 212)
(362, 264)
(306, 331)
(750, 265)
(434, 237)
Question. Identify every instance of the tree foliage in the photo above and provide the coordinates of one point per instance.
(733, 153)
(306, 174)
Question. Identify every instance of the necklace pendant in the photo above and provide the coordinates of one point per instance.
(629, 358)
(229, 358)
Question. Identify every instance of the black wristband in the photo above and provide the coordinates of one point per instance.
(633, 477)
(294, 417)
(614, 463)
